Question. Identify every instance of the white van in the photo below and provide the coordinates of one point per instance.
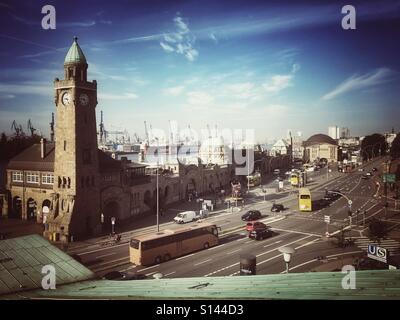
(186, 216)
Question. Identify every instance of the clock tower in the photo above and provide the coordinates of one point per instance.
(75, 208)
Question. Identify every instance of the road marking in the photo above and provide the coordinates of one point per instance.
(106, 255)
(215, 247)
(189, 255)
(205, 261)
(233, 251)
(102, 249)
(129, 268)
(149, 274)
(299, 232)
(271, 244)
(241, 239)
(286, 244)
(168, 274)
(149, 268)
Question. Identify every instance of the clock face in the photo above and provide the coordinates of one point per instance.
(84, 99)
(66, 98)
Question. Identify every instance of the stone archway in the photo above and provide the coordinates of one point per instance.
(17, 207)
(31, 209)
(45, 209)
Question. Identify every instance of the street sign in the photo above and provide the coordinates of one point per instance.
(377, 253)
(389, 177)
(113, 220)
(327, 219)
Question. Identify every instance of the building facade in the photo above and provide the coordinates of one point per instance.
(320, 147)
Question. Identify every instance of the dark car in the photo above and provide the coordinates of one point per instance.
(251, 215)
(365, 177)
(332, 195)
(277, 207)
(255, 225)
(374, 169)
(260, 234)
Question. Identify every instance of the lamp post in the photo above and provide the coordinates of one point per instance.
(157, 192)
(287, 255)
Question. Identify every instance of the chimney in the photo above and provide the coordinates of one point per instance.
(42, 148)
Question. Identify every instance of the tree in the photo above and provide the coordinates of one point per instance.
(377, 230)
(373, 146)
(395, 149)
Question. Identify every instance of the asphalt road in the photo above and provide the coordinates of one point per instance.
(303, 231)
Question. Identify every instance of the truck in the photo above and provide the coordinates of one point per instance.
(189, 216)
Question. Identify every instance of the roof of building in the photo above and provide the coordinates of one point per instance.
(75, 53)
(30, 159)
(22, 259)
(319, 139)
(376, 285)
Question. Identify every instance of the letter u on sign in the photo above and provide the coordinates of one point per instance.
(371, 249)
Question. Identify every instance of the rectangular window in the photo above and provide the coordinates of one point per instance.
(65, 145)
(17, 176)
(47, 178)
(32, 177)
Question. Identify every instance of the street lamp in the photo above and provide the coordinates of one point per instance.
(158, 219)
(287, 255)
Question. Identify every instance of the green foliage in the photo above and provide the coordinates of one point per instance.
(395, 149)
(373, 146)
(377, 230)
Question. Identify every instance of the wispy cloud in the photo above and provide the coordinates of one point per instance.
(244, 90)
(124, 96)
(181, 41)
(34, 88)
(199, 98)
(358, 82)
(174, 91)
(281, 81)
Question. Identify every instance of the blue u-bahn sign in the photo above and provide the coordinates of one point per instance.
(377, 253)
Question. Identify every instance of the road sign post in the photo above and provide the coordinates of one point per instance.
(377, 253)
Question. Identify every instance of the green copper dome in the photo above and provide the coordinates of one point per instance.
(75, 54)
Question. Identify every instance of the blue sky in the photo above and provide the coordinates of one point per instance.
(269, 66)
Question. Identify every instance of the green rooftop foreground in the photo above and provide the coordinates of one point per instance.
(379, 284)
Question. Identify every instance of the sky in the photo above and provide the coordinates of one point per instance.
(270, 66)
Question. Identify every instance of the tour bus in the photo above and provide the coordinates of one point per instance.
(304, 199)
(167, 244)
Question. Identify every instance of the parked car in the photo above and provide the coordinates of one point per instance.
(360, 169)
(255, 225)
(186, 216)
(365, 177)
(260, 234)
(277, 207)
(251, 215)
(277, 171)
(374, 169)
(369, 174)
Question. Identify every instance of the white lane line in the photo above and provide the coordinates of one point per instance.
(168, 274)
(189, 255)
(224, 224)
(105, 255)
(233, 251)
(271, 244)
(149, 268)
(299, 232)
(205, 261)
(102, 249)
(149, 274)
(215, 247)
(129, 268)
(241, 239)
(287, 244)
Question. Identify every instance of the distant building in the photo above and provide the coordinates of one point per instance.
(334, 132)
(320, 147)
(280, 147)
(344, 133)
